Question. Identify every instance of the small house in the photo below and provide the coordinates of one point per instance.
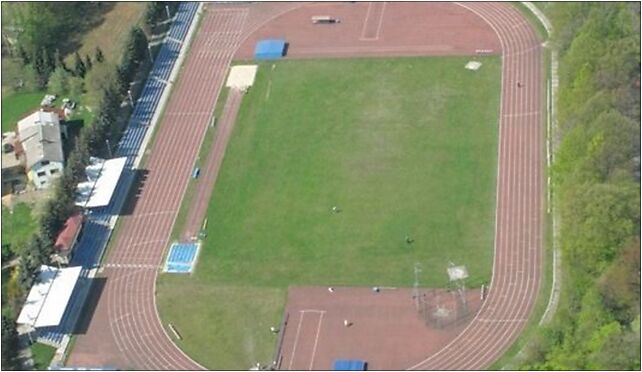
(39, 134)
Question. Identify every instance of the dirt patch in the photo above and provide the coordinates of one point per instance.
(384, 328)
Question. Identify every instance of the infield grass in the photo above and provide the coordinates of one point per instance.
(402, 146)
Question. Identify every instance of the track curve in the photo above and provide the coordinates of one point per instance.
(127, 317)
(519, 222)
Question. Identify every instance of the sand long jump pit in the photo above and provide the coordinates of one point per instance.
(389, 329)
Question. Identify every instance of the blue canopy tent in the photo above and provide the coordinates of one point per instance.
(349, 365)
(270, 49)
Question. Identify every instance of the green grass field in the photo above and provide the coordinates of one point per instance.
(402, 146)
(17, 105)
(17, 227)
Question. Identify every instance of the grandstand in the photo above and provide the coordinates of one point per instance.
(100, 222)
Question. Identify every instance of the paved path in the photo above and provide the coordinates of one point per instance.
(209, 173)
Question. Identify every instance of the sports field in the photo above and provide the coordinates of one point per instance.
(403, 147)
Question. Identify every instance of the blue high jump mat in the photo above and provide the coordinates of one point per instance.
(181, 258)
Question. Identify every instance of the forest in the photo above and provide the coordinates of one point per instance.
(596, 183)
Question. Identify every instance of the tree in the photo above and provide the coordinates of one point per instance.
(10, 345)
(79, 66)
(14, 292)
(50, 61)
(60, 61)
(51, 221)
(620, 284)
(153, 12)
(40, 68)
(135, 54)
(59, 81)
(597, 321)
(76, 162)
(88, 63)
(100, 58)
(76, 87)
(138, 45)
(44, 24)
(24, 56)
(36, 252)
(29, 79)
(100, 77)
(25, 272)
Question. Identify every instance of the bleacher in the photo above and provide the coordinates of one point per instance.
(97, 226)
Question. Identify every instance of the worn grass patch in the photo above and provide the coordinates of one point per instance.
(401, 146)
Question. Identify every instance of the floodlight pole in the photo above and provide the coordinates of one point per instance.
(131, 100)
(167, 10)
(31, 329)
(108, 147)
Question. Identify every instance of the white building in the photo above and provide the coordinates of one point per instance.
(41, 140)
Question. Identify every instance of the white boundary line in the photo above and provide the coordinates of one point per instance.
(298, 333)
(316, 340)
(296, 340)
(365, 23)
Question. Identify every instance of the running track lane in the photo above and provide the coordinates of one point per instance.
(518, 231)
(131, 314)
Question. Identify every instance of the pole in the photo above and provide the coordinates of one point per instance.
(149, 49)
(29, 334)
(108, 147)
(167, 10)
(131, 100)
(415, 290)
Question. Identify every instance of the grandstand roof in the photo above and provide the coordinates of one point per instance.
(48, 297)
(102, 178)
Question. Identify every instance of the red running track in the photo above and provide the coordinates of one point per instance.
(126, 314)
(125, 330)
(519, 217)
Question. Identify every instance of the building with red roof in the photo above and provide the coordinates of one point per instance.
(68, 237)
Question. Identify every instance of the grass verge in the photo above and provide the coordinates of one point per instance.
(532, 18)
(402, 146)
(42, 355)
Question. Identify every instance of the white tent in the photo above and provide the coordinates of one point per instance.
(48, 298)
